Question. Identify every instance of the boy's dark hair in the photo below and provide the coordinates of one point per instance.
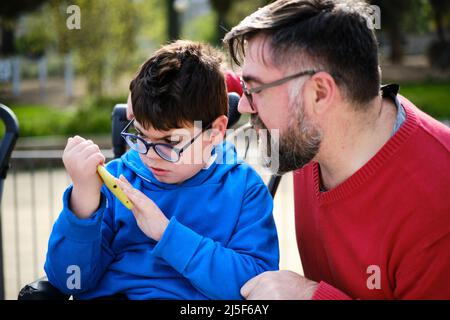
(181, 83)
(332, 34)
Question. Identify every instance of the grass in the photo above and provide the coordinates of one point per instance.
(42, 120)
(433, 98)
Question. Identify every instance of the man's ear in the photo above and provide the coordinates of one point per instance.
(218, 129)
(322, 90)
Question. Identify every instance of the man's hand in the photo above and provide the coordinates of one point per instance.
(279, 285)
(148, 216)
(81, 158)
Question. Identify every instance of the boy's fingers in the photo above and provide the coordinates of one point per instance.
(73, 142)
(125, 187)
(131, 193)
(81, 146)
(89, 151)
(125, 180)
(95, 159)
(139, 199)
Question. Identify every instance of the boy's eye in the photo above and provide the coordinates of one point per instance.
(172, 142)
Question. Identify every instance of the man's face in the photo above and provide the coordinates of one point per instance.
(299, 138)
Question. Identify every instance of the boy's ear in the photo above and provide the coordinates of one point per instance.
(218, 129)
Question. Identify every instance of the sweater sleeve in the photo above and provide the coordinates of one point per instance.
(218, 270)
(78, 250)
(325, 291)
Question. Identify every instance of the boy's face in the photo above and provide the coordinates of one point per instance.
(192, 159)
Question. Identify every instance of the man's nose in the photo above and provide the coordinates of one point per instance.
(244, 106)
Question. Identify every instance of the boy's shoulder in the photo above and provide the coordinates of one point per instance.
(243, 172)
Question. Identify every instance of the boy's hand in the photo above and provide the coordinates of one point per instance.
(81, 158)
(148, 216)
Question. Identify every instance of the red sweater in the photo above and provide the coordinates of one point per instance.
(384, 233)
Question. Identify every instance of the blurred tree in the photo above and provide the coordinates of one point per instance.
(242, 9)
(35, 34)
(105, 44)
(441, 8)
(439, 50)
(9, 12)
(173, 21)
(393, 14)
(153, 27)
(222, 8)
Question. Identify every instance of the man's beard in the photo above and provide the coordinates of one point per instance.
(297, 146)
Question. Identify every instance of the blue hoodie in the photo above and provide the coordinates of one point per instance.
(221, 234)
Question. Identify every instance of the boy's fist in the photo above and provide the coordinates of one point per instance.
(81, 158)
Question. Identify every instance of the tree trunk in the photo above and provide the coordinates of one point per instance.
(395, 38)
(222, 7)
(439, 20)
(7, 47)
(173, 21)
(222, 27)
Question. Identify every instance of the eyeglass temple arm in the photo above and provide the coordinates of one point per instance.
(281, 81)
(193, 139)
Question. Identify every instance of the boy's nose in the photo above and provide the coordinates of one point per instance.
(244, 105)
(152, 154)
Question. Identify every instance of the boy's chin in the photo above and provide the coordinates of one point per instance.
(169, 179)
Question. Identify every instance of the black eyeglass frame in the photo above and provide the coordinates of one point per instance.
(248, 92)
(148, 145)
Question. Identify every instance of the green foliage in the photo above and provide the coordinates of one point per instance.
(38, 37)
(41, 120)
(105, 44)
(202, 28)
(243, 8)
(431, 97)
(152, 23)
(92, 117)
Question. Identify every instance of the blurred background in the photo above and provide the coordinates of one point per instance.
(62, 71)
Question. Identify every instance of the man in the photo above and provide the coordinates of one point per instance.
(372, 183)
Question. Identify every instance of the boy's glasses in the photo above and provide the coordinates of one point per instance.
(249, 92)
(165, 151)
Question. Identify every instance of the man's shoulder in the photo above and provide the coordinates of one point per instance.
(436, 134)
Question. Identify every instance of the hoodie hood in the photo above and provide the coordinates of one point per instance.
(223, 157)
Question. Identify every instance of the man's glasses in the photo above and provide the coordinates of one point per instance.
(249, 92)
(165, 151)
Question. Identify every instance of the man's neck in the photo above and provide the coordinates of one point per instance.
(354, 140)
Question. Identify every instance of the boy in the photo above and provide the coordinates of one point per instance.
(201, 225)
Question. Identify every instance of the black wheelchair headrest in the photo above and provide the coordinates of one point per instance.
(9, 139)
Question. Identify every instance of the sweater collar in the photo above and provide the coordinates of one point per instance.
(380, 159)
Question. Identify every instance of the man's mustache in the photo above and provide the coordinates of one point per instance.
(256, 122)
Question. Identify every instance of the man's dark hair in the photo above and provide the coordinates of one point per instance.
(332, 34)
(181, 83)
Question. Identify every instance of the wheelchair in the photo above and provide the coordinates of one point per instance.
(42, 289)
(11, 133)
